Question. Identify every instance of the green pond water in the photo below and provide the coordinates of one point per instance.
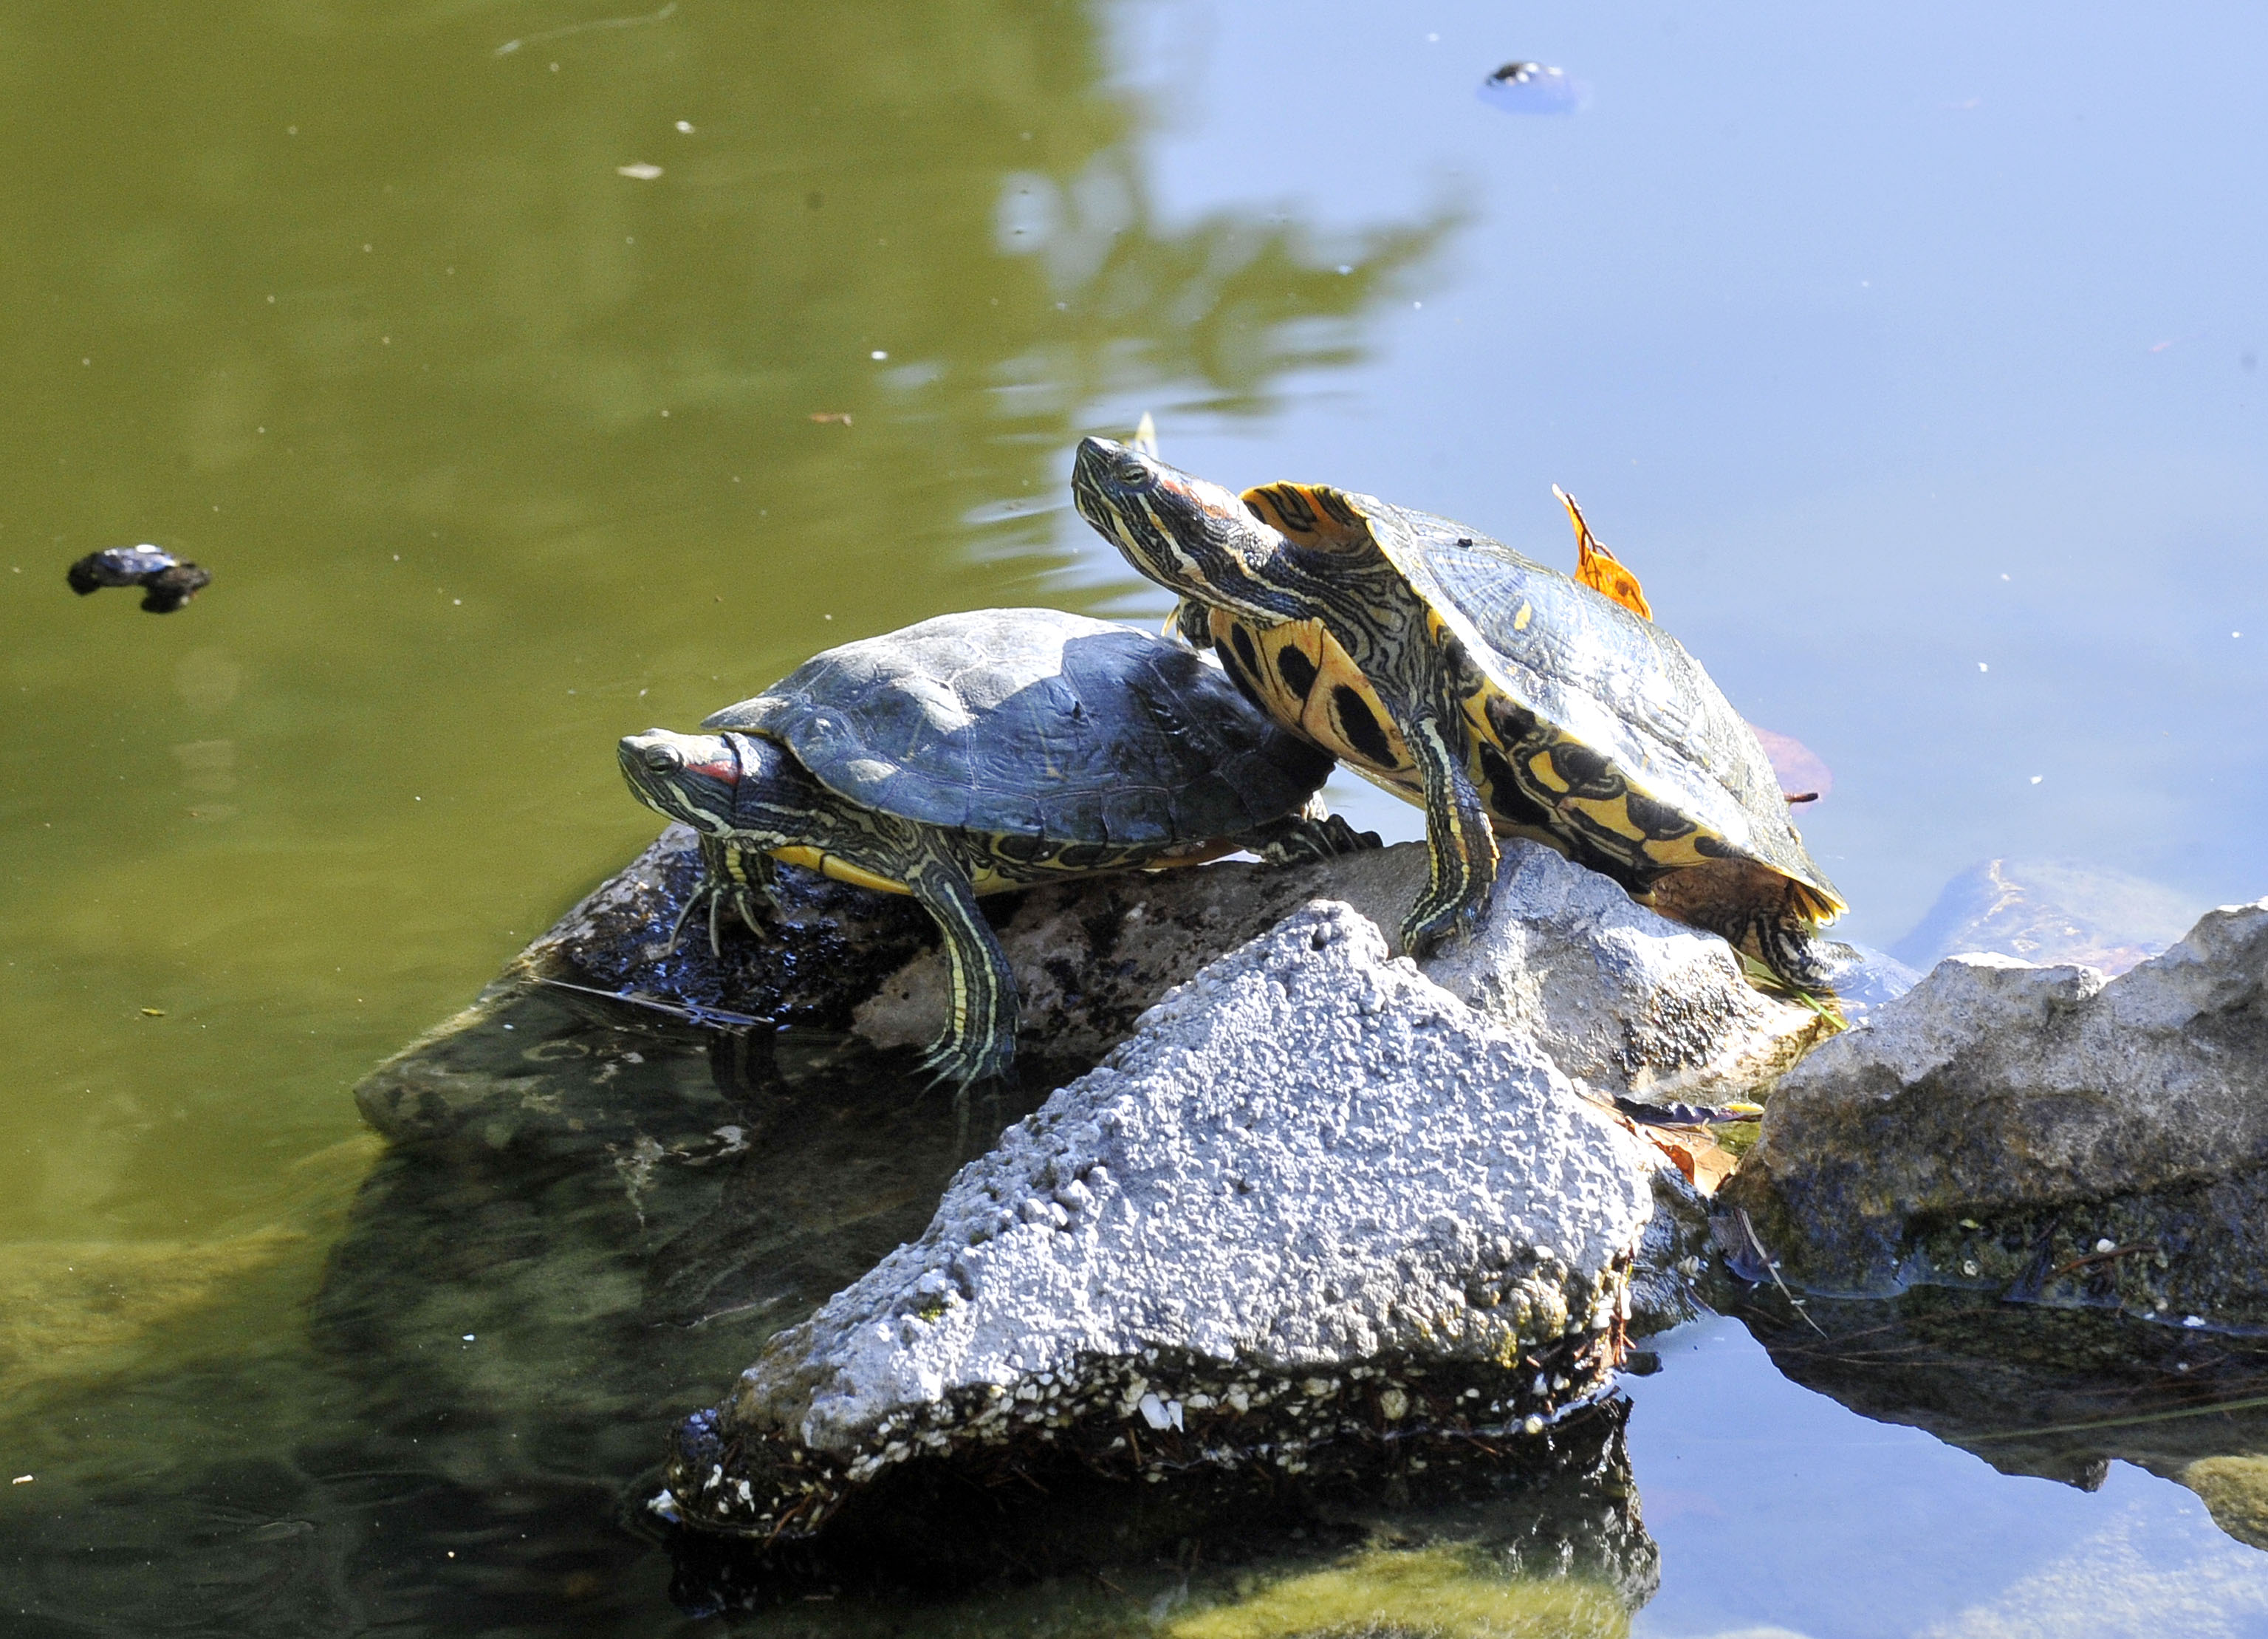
(529, 373)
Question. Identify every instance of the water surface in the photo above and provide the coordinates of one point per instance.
(1910, 357)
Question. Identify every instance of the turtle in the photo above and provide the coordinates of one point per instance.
(977, 752)
(1493, 692)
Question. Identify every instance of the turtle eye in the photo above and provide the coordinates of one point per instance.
(1133, 469)
(663, 759)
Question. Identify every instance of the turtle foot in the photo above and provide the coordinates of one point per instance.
(1300, 841)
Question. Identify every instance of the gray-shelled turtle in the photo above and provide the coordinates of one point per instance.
(978, 752)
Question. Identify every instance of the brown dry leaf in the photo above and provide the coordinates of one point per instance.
(1705, 1162)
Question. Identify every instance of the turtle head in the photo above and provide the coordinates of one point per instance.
(692, 778)
(1189, 536)
(737, 785)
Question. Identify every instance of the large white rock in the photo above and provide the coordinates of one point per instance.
(1623, 1001)
(2063, 1116)
(1315, 1205)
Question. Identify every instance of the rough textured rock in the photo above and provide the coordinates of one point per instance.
(1315, 1210)
(1620, 998)
(1623, 1001)
(1092, 957)
(2050, 912)
(2039, 1132)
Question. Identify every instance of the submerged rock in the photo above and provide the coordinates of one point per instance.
(1316, 1214)
(2040, 1133)
(2048, 911)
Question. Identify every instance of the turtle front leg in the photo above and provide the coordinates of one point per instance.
(1192, 623)
(1459, 844)
(730, 879)
(979, 1041)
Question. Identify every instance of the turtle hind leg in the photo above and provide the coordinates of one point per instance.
(1790, 947)
(1314, 833)
(979, 1040)
(1757, 911)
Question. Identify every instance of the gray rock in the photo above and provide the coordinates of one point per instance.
(1314, 1210)
(1624, 1001)
(2038, 1130)
(2050, 912)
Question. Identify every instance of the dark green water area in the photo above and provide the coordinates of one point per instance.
(529, 372)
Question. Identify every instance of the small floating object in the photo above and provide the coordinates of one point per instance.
(1532, 88)
(167, 582)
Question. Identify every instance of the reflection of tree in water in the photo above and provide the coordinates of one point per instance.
(586, 401)
(375, 325)
(501, 358)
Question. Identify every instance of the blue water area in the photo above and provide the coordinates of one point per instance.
(1779, 1511)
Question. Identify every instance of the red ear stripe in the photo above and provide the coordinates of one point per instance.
(724, 771)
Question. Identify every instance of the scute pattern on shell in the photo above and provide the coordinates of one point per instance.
(1037, 723)
(1612, 681)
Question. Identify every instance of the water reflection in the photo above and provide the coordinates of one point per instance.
(485, 382)
(497, 452)
(509, 1321)
(2057, 1393)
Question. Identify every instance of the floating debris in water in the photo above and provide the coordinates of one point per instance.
(511, 46)
(167, 582)
(1532, 88)
(638, 172)
(831, 418)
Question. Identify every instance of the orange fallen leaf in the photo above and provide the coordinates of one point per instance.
(1599, 569)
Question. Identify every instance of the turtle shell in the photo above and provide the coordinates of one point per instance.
(1032, 722)
(1643, 748)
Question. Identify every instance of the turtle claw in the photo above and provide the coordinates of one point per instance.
(1305, 839)
(1429, 926)
(692, 903)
